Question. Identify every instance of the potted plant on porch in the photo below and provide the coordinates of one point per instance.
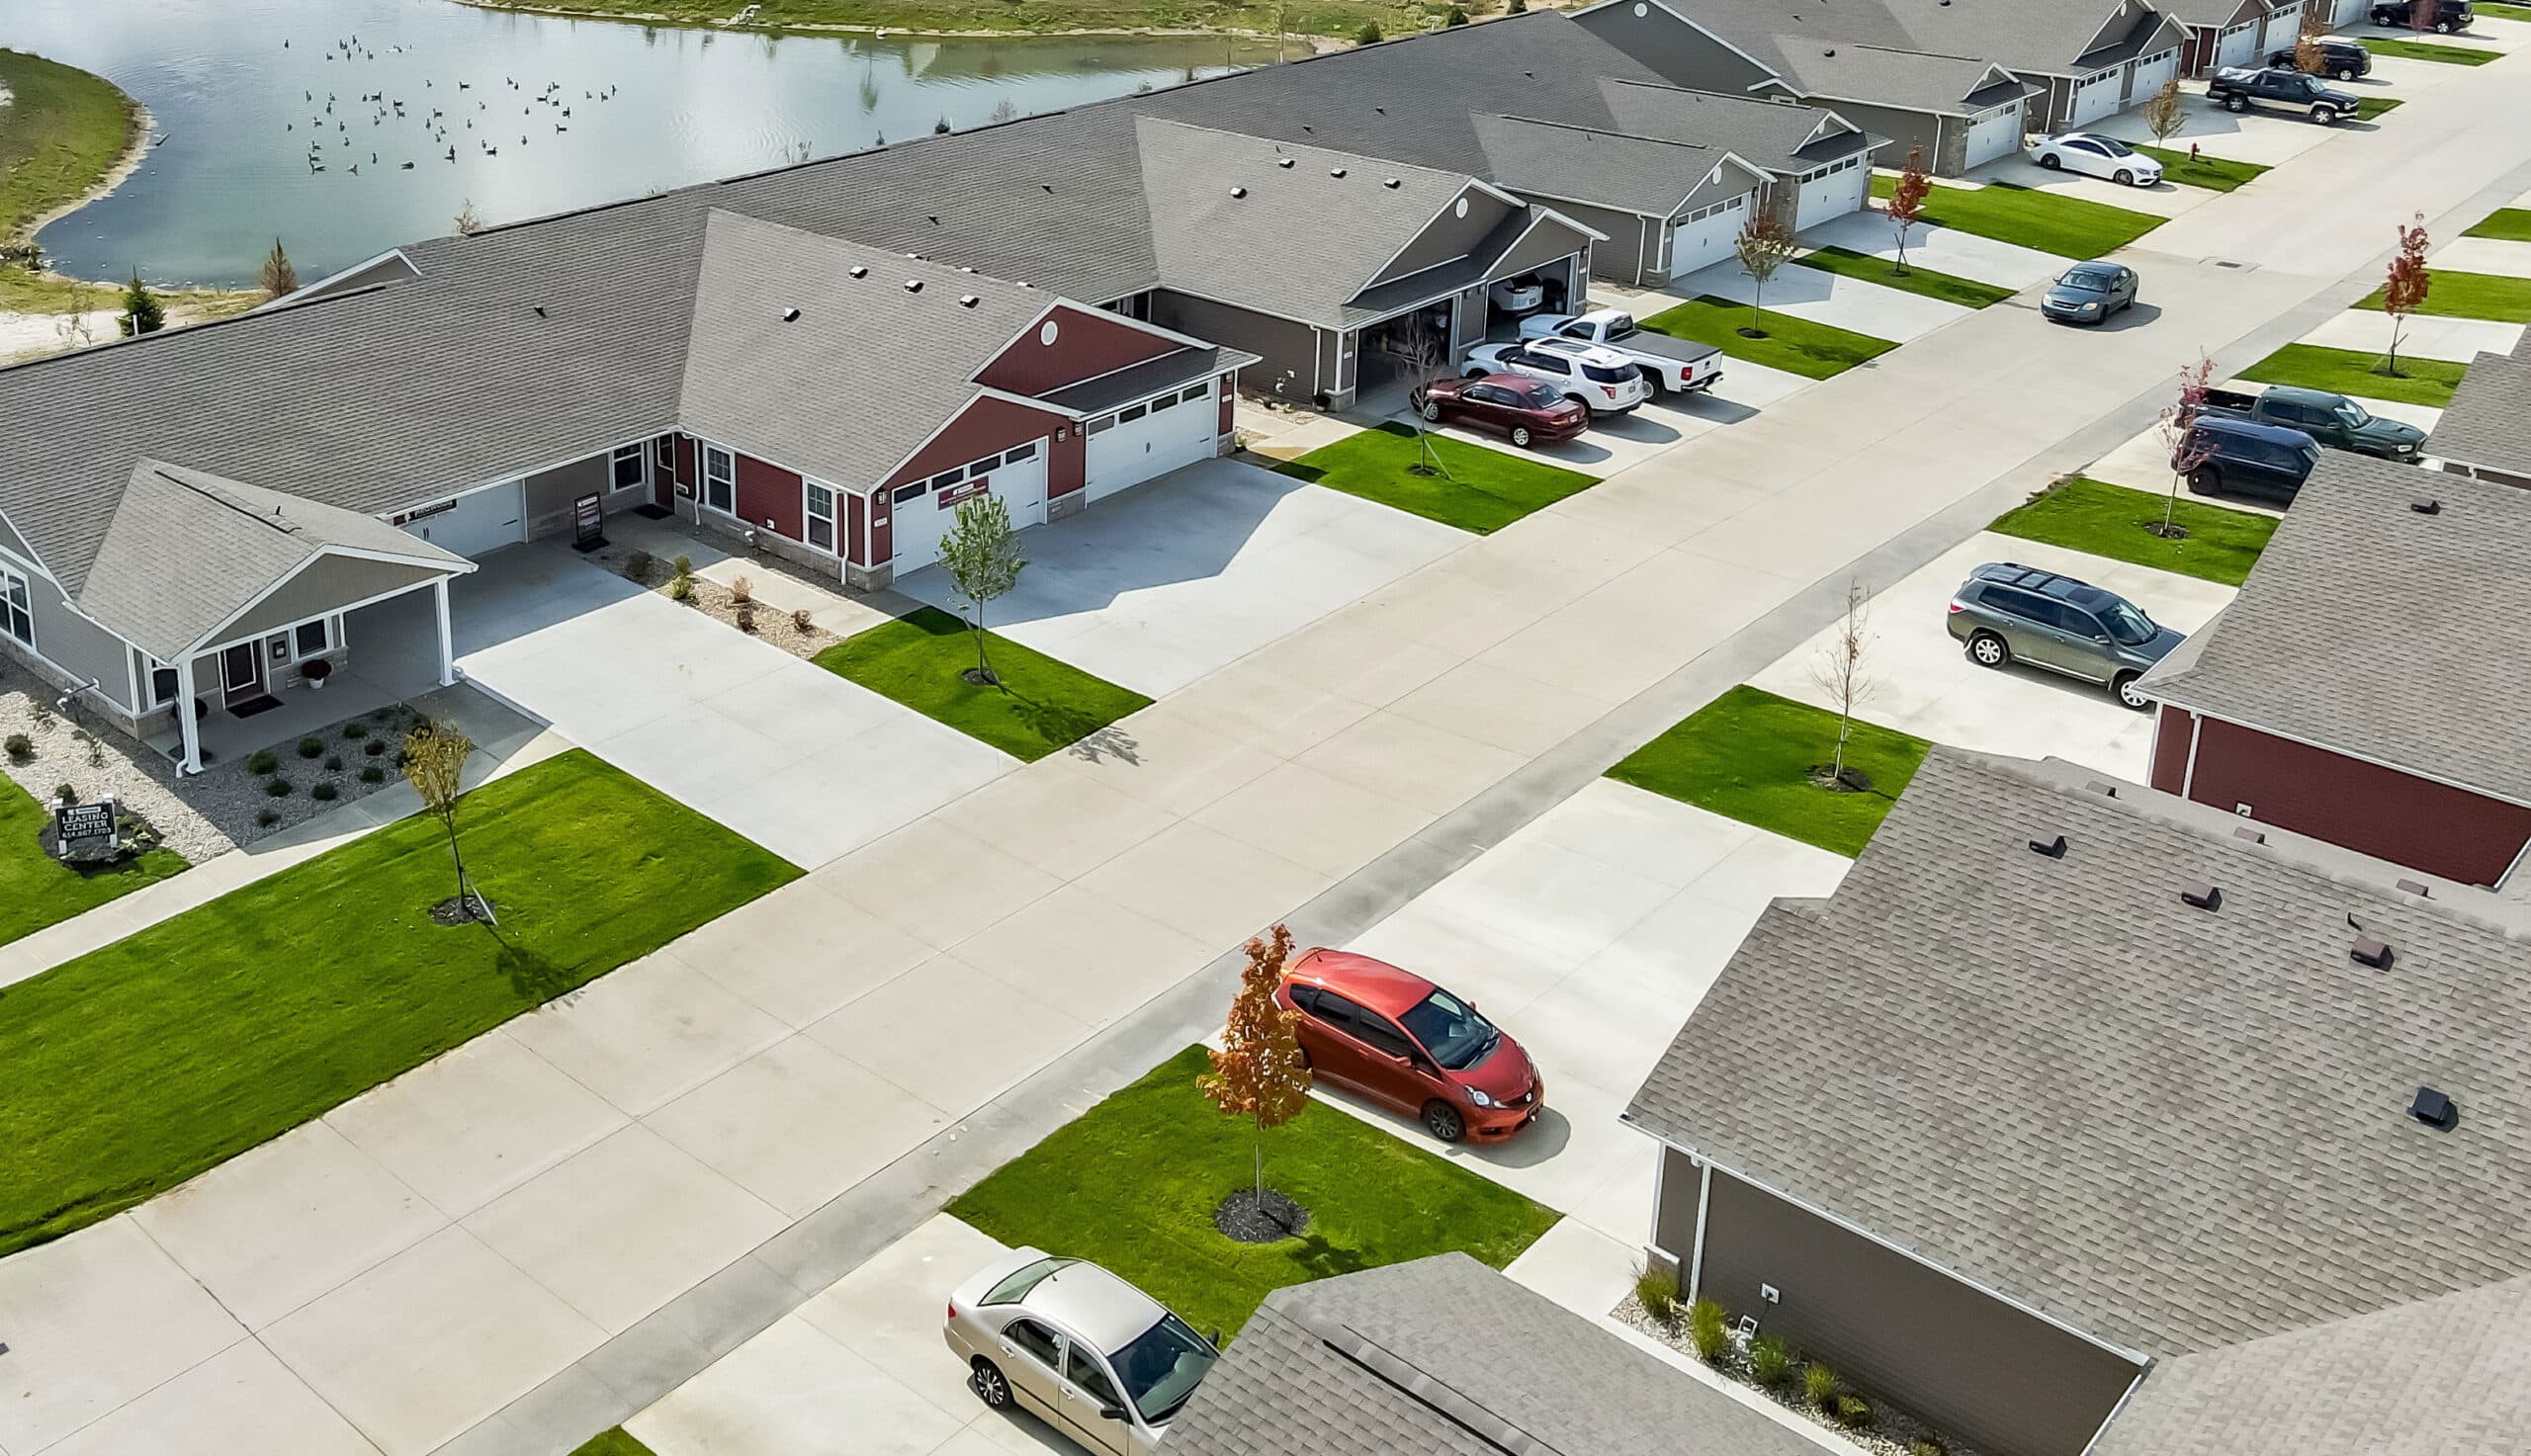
(315, 671)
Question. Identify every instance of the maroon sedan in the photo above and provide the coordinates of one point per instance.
(1397, 1038)
(1506, 403)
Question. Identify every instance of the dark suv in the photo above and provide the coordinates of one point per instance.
(2340, 60)
(2245, 458)
(2401, 14)
(2009, 613)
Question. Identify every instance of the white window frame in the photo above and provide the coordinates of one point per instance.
(640, 457)
(151, 668)
(333, 626)
(809, 517)
(730, 477)
(17, 604)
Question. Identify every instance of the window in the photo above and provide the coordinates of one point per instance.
(17, 610)
(948, 478)
(1305, 998)
(1382, 1035)
(1334, 1010)
(1193, 393)
(720, 479)
(1082, 1369)
(1032, 1338)
(162, 684)
(906, 493)
(820, 515)
(664, 454)
(1482, 395)
(626, 466)
(1132, 412)
(311, 639)
(1018, 453)
(2014, 604)
(1100, 426)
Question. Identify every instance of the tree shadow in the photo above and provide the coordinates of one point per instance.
(1082, 734)
(1325, 1260)
(533, 978)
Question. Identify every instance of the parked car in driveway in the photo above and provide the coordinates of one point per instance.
(2238, 88)
(1073, 1344)
(2335, 421)
(1397, 1038)
(1601, 380)
(2241, 458)
(2007, 612)
(2401, 14)
(2089, 292)
(2340, 60)
(1525, 294)
(1675, 366)
(1529, 412)
(2096, 155)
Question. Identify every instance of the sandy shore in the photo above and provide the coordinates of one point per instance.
(650, 17)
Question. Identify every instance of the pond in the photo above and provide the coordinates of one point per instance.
(346, 127)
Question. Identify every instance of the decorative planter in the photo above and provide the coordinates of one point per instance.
(314, 672)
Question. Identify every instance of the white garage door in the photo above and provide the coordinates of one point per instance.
(1994, 133)
(1705, 235)
(2348, 12)
(1832, 194)
(2095, 98)
(1152, 438)
(472, 525)
(2238, 45)
(920, 512)
(2151, 74)
(2283, 27)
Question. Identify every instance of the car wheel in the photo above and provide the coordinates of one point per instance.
(2443, 27)
(1431, 410)
(2205, 480)
(2343, 73)
(986, 1379)
(2236, 102)
(1520, 436)
(2326, 116)
(2124, 685)
(2051, 161)
(1443, 1122)
(2125, 177)
(1986, 649)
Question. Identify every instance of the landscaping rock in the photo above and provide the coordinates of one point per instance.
(1248, 1217)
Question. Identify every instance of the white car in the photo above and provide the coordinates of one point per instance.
(2096, 155)
(1601, 381)
(1091, 1356)
(1518, 295)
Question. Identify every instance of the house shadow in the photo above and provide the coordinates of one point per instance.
(521, 590)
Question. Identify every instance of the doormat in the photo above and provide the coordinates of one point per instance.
(252, 706)
(653, 512)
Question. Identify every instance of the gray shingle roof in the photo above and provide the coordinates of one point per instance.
(2489, 421)
(1876, 75)
(1548, 159)
(2047, 36)
(1322, 1369)
(2207, 12)
(2174, 1128)
(1179, 367)
(185, 552)
(1780, 137)
(755, 381)
(2370, 629)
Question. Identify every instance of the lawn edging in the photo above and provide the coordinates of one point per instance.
(2095, 517)
(1042, 705)
(1748, 754)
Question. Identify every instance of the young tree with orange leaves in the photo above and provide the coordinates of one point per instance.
(1259, 1074)
(1905, 207)
(2403, 291)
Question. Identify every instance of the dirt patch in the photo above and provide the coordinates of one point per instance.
(1248, 1217)
(459, 910)
(792, 633)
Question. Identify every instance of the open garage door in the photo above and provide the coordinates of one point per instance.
(1153, 437)
(475, 522)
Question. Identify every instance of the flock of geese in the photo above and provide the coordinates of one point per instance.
(443, 126)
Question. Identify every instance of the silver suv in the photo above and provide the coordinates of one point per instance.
(2007, 612)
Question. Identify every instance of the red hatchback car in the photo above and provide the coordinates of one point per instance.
(1507, 403)
(1399, 1039)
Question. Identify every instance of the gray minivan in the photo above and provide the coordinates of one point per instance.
(2009, 613)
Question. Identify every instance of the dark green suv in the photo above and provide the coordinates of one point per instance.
(2007, 612)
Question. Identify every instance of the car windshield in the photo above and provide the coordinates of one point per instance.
(2129, 626)
(2353, 415)
(1536, 397)
(2086, 280)
(1161, 1366)
(1450, 1030)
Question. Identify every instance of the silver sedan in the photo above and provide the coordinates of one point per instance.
(1099, 1359)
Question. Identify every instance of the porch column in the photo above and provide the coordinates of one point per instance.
(447, 638)
(188, 731)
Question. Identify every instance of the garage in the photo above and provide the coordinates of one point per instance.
(2238, 45)
(2151, 74)
(1705, 235)
(2095, 97)
(2283, 27)
(1152, 438)
(1993, 133)
(1830, 193)
(920, 512)
(2347, 13)
(475, 522)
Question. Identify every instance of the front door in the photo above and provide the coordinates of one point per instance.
(242, 673)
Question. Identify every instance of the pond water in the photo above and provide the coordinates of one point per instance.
(470, 105)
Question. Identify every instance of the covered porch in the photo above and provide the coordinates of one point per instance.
(385, 653)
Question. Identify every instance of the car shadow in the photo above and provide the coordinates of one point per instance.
(1547, 1134)
(2133, 315)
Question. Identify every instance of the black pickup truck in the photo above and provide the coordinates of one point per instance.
(2331, 419)
(2238, 88)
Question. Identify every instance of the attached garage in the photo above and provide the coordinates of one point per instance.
(2285, 25)
(1706, 237)
(1830, 193)
(475, 522)
(2095, 96)
(1993, 133)
(2347, 12)
(2152, 74)
(2237, 44)
(922, 511)
(1150, 438)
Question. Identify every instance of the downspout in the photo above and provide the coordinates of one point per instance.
(1704, 1204)
(2188, 775)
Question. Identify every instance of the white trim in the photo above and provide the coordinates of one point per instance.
(1467, 184)
(1705, 1202)
(339, 274)
(834, 517)
(2414, 773)
(641, 455)
(344, 610)
(887, 479)
(447, 638)
(2124, 1396)
(2518, 856)
(294, 573)
(188, 732)
(988, 392)
(703, 448)
(1092, 312)
(132, 681)
(2188, 775)
(26, 584)
(35, 566)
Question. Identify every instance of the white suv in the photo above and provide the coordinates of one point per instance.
(1603, 380)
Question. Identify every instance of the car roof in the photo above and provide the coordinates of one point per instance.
(1375, 984)
(1094, 1305)
(1581, 349)
(2302, 396)
(2252, 430)
(1519, 382)
(2045, 583)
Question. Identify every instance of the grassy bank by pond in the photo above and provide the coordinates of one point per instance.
(1333, 19)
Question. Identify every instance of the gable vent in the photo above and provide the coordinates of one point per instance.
(2250, 836)
(2426, 505)
(2369, 952)
(967, 300)
(2047, 843)
(860, 272)
(2201, 894)
(913, 284)
(2434, 1109)
(1336, 171)
(1239, 192)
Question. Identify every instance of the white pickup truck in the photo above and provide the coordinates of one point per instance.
(1672, 366)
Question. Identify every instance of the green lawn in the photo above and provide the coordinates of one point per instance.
(2425, 51)
(37, 890)
(2512, 225)
(616, 1442)
(133, 1068)
(2214, 174)
(2106, 520)
(2489, 296)
(1132, 1184)
(2369, 107)
(1484, 491)
(2503, 11)
(61, 132)
(1748, 755)
(1303, 16)
(1041, 705)
(2069, 226)
(1968, 293)
(1795, 345)
(2354, 372)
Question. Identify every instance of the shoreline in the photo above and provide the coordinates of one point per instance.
(1318, 44)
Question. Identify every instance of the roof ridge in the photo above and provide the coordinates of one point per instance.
(1416, 1383)
(177, 476)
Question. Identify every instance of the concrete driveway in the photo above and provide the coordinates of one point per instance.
(1614, 445)
(1942, 249)
(2485, 255)
(2426, 336)
(1832, 298)
(2168, 200)
(1922, 683)
(1156, 587)
(790, 755)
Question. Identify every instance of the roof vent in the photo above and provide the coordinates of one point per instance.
(2202, 896)
(2369, 952)
(2417, 888)
(2250, 835)
(913, 284)
(1336, 171)
(1831, 50)
(1239, 192)
(2047, 843)
(2103, 789)
(967, 300)
(790, 316)
(2426, 505)
(1283, 161)
(1389, 182)
(537, 308)
(858, 270)
(932, 218)
(2434, 1109)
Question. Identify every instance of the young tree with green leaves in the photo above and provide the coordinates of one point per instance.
(143, 313)
(1765, 244)
(435, 763)
(1259, 1074)
(279, 275)
(2165, 112)
(982, 555)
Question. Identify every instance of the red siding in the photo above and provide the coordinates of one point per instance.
(2170, 750)
(1085, 345)
(769, 495)
(1066, 465)
(2364, 806)
(1230, 401)
(686, 469)
(883, 529)
(982, 428)
(855, 507)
